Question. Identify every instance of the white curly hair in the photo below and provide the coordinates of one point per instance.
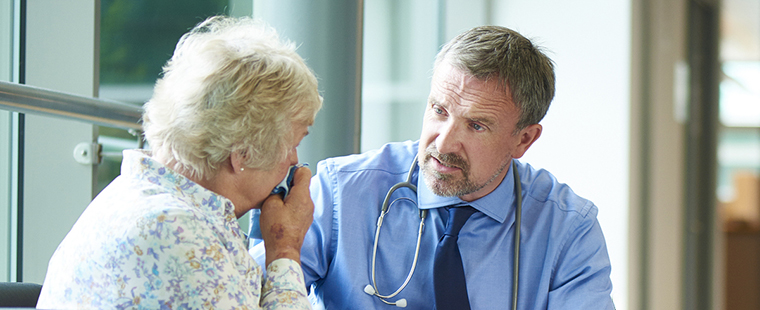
(232, 85)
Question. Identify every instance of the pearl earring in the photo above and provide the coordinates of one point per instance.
(241, 169)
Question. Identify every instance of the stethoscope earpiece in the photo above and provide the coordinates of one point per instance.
(369, 290)
(401, 303)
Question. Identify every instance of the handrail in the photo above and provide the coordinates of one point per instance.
(30, 99)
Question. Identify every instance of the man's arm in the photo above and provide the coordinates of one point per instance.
(582, 271)
(318, 246)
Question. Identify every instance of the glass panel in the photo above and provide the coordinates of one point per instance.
(136, 38)
(396, 69)
(6, 72)
(739, 152)
(740, 93)
(739, 140)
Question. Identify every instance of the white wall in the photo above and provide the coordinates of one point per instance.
(585, 142)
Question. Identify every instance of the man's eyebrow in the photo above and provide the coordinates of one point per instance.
(485, 120)
(435, 101)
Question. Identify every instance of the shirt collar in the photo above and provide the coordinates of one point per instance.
(498, 204)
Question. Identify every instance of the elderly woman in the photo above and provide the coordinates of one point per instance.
(223, 124)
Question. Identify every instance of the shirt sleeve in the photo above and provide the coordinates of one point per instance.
(284, 287)
(187, 264)
(582, 273)
(319, 243)
(177, 259)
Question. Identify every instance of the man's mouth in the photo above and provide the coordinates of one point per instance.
(442, 166)
(445, 164)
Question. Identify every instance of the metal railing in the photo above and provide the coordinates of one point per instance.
(30, 99)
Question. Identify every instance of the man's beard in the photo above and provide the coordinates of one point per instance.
(450, 185)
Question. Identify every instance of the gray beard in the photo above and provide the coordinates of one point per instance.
(447, 185)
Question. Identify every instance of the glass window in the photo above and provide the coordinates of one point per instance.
(6, 69)
(401, 39)
(136, 38)
(738, 174)
(739, 137)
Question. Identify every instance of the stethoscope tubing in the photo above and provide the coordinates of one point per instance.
(384, 211)
(518, 227)
(423, 214)
(411, 270)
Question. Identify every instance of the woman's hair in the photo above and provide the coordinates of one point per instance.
(231, 86)
(496, 52)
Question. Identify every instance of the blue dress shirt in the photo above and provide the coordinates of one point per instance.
(563, 261)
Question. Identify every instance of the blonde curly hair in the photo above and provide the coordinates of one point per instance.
(231, 86)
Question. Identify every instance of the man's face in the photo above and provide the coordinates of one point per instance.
(467, 139)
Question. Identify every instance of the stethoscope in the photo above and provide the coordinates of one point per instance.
(372, 289)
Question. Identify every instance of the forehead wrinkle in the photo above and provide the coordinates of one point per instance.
(455, 88)
(458, 82)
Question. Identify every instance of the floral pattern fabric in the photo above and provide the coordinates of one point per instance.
(153, 239)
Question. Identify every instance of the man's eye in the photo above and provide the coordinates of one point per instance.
(477, 127)
(437, 110)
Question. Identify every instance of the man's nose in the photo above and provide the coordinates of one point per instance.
(448, 140)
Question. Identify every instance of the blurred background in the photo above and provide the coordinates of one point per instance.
(656, 117)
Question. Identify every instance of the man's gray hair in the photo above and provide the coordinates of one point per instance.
(497, 52)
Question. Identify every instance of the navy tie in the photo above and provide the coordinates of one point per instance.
(448, 273)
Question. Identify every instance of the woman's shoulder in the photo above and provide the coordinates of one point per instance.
(151, 213)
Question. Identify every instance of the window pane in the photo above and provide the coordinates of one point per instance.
(136, 38)
(739, 140)
(6, 69)
(396, 68)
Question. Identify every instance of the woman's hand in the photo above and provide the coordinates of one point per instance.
(284, 223)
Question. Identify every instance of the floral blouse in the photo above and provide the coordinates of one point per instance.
(153, 239)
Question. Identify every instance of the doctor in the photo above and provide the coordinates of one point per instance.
(490, 88)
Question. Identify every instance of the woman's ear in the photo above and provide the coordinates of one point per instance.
(237, 159)
(528, 135)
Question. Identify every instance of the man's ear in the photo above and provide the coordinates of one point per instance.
(528, 135)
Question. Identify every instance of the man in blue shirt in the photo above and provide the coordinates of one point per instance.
(490, 88)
